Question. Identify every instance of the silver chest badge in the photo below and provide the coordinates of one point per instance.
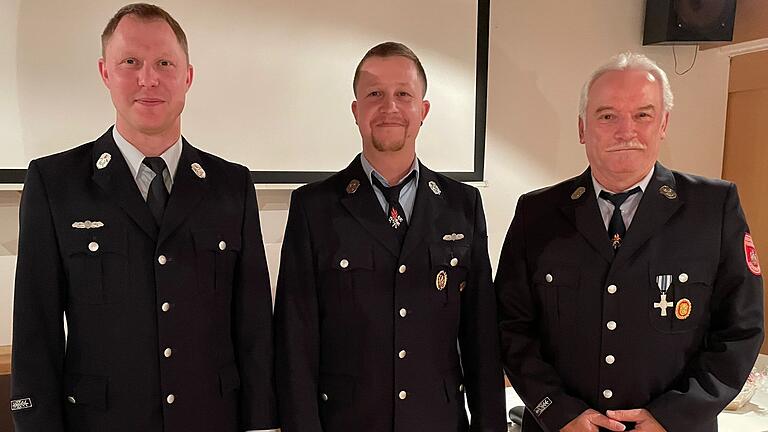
(103, 160)
(87, 224)
(435, 188)
(198, 170)
(453, 237)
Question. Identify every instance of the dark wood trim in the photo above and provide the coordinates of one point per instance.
(5, 360)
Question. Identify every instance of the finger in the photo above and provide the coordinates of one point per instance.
(608, 423)
(627, 415)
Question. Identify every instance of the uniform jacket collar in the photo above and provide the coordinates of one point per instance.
(116, 180)
(659, 202)
(365, 208)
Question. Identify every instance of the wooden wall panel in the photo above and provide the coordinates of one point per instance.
(745, 158)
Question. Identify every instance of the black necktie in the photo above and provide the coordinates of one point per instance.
(616, 228)
(157, 196)
(395, 213)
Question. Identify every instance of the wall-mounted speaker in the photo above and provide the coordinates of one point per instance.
(681, 22)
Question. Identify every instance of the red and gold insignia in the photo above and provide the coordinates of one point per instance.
(616, 241)
(683, 309)
(441, 280)
(751, 255)
(394, 218)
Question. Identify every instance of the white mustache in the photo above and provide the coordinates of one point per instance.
(626, 145)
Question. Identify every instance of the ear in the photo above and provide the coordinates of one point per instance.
(581, 130)
(354, 110)
(190, 75)
(664, 124)
(103, 71)
(424, 109)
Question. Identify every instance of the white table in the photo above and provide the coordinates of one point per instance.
(753, 417)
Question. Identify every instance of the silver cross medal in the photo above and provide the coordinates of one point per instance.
(663, 282)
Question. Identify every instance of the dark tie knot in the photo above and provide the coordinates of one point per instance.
(392, 193)
(156, 164)
(618, 199)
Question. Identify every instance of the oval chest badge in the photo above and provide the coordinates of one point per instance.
(683, 309)
(441, 280)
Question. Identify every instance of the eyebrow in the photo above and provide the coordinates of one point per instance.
(608, 108)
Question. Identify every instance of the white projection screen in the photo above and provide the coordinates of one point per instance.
(273, 80)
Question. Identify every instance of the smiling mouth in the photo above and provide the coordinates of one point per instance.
(149, 101)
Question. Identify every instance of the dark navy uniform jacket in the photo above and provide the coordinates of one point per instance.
(367, 338)
(169, 328)
(578, 325)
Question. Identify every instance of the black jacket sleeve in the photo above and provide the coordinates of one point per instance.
(297, 327)
(38, 314)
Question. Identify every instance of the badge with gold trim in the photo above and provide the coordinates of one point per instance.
(441, 280)
(578, 192)
(683, 309)
(352, 186)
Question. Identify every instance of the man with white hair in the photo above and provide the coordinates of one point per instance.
(630, 297)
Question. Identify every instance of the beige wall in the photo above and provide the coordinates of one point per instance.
(540, 53)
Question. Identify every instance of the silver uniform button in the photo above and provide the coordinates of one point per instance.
(165, 307)
(454, 262)
(612, 289)
(402, 395)
(548, 278)
(170, 399)
(461, 388)
(324, 397)
(611, 325)
(683, 278)
(71, 399)
(222, 245)
(162, 259)
(93, 246)
(403, 312)
(402, 269)
(168, 352)
(610, 359)
(607, 393)
(401, 354)
(344, 263)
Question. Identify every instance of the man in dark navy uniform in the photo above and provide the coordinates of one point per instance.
(152, 250)
(630, 296)
(385, 312)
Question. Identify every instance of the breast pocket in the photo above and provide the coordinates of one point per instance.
(557, 288)
(97, 265)
(348, 274)
(450, 266)
(685, 304)
(217, 253)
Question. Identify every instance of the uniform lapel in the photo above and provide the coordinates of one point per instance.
(187, 191)
(362, 204)
(116, 180)
(427, 207)
(656, 207)
(582, 210)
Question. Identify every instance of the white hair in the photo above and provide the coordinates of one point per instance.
(628, 61)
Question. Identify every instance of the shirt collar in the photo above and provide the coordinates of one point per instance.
(642, 183)
(134, 157)
(370, 171)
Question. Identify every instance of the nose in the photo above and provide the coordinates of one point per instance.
(148, 76)
(389, 104)
(625, 129)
